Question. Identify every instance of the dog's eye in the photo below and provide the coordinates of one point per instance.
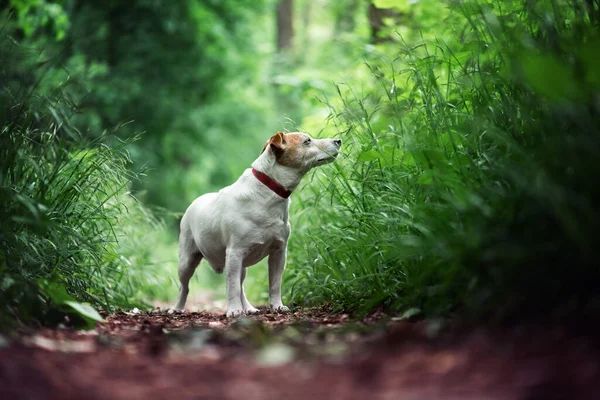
(307, 141)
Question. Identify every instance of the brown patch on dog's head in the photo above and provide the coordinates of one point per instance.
(287, 148)
(294, 150)
(294, 139)
(277, 143)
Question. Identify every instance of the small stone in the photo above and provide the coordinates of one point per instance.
(275, 355)
(3, 342)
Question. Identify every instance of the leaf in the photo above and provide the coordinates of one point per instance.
(451, 140)
(426, 178)
(55, 290)
(549, 76)
(430, 158)
(86, 311)
(370, 155)
(411, 312)
(590, 57)
(387, 157)
(401, 5)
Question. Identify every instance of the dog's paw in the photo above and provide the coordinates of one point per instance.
(172, 311)
(234, 313)
(280, 309)
(252, 310)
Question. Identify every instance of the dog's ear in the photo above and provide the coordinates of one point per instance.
(277, 144)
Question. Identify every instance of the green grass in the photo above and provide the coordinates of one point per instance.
(467, 184)
(469, 178)
(70, 231)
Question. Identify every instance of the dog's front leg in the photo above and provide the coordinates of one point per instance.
(276, 267)
(233, 268)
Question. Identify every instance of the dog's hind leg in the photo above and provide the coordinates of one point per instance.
(189, 258)
(248, 308)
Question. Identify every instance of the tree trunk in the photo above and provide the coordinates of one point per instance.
(376, 16)
(285, 25)
(593, 13)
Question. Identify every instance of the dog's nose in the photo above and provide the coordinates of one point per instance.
(338, 142)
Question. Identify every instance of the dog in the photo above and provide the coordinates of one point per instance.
(249, 220)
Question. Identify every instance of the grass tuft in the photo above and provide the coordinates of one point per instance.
(69, 228)
(469, 181)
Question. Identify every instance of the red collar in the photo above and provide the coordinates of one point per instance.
(272, 184)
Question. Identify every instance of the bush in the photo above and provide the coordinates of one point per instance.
(64, 205)
(469, 178)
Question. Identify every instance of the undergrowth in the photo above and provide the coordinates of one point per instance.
(70, 232)
(469, 178)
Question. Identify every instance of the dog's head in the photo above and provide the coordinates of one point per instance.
(298, 150)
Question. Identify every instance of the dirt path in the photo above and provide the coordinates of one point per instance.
(306, 354)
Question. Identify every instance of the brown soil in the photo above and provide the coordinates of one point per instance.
(306, 354)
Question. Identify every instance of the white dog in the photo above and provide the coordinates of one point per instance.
(248, 221)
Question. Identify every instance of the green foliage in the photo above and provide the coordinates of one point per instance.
(191, 76)
(64, 206)
(402, 5)
(182, 73)
(60, 298)
(178, 71)
(468, 182)
(33, 15)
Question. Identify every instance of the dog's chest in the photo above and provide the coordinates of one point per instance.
(258, 251)
(265, 235)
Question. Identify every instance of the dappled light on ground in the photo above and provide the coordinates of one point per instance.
(309, 353)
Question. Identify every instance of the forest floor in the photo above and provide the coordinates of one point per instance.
(310, 353)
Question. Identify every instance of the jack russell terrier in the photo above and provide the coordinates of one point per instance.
(248, 221)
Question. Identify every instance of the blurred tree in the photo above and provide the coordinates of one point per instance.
(345, 16)
(31, 16)
(377, 22)
(306, 15)
(593, 11)
(285, 25)
(156, 67)
(151, 61)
